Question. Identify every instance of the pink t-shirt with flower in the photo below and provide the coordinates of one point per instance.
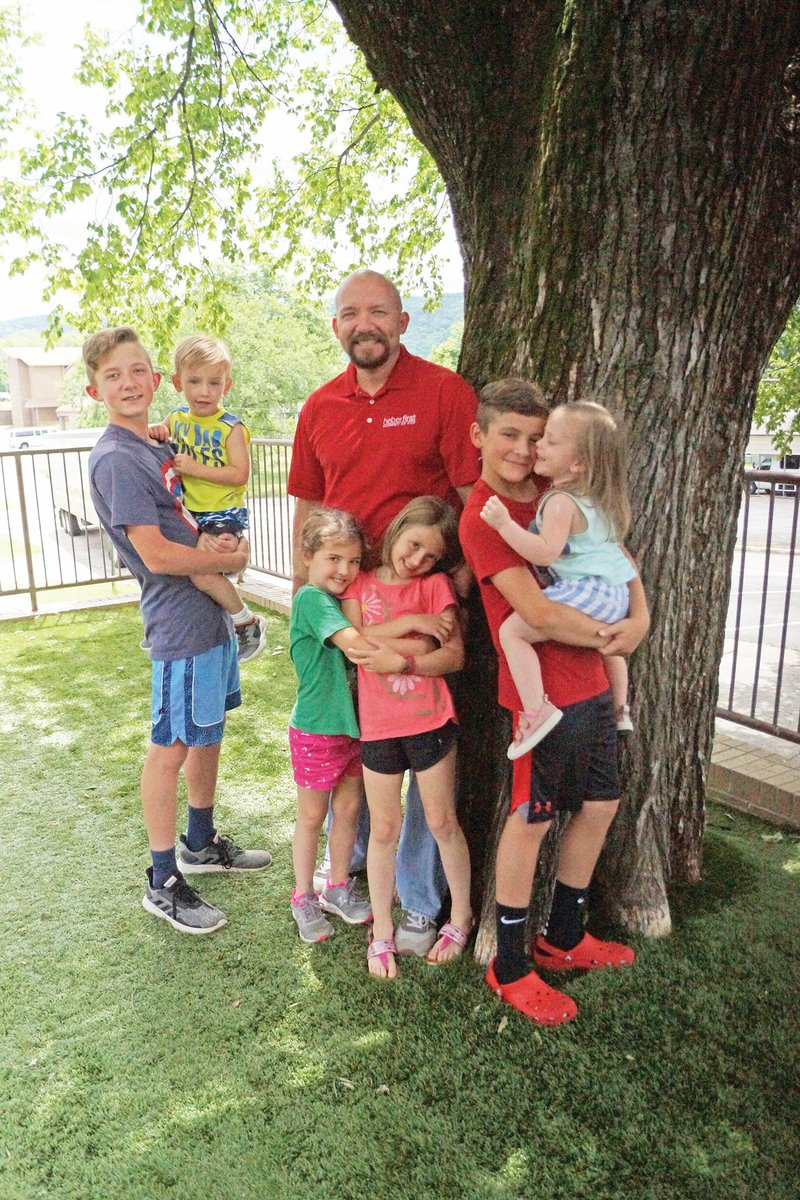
(399, 705)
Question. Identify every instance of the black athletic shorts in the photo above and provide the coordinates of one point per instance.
(417, 752)
(576, 762)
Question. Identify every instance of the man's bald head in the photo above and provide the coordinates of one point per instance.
(371, 279)
(369, 321)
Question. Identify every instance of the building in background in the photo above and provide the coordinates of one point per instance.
(35, 377)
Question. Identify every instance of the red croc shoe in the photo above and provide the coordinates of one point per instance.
(533, 998)
(590, 954)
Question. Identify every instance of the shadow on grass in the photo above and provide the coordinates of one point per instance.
(729, 876)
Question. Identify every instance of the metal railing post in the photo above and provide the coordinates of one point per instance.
(26, 536)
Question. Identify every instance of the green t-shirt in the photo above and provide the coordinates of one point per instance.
(324, 703)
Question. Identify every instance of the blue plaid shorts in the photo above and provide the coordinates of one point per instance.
(592, 595)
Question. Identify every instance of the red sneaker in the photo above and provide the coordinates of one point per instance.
(590, 954)
(533, 998)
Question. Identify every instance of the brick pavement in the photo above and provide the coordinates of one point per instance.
(756, 773)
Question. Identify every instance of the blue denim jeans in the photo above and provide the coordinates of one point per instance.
(421, 884)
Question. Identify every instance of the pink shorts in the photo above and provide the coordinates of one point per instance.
(320, 760)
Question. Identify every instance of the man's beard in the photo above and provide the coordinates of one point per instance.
(373, 360)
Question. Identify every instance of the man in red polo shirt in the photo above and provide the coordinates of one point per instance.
(390, 428)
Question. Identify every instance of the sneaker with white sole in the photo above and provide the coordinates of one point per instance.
(537, 727)
(311, 925)
(251, 638)
(180, 904)
(415, 934)
(221, 854)
(347, 902)
(321, 875)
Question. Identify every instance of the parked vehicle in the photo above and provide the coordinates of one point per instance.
(32, 436)
(772, 462)
(63, 474)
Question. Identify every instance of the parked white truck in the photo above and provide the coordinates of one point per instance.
(61, 461)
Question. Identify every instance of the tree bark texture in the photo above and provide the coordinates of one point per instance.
(624, 182)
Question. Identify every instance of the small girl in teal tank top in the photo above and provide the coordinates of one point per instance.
(577, 534)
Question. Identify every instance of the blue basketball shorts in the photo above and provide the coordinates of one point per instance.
(191, 696)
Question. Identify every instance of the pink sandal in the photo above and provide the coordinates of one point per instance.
(448, 935)
(380, 948)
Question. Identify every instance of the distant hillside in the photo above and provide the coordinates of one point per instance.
(21, 325)
(425, 329)
(429, 329)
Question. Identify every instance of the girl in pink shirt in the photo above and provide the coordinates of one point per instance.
(406, 713)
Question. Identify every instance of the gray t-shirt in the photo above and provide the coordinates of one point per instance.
(129, 482)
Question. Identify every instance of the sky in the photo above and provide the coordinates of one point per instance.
(48, 70)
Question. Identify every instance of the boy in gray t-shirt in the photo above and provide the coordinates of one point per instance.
(195, 668)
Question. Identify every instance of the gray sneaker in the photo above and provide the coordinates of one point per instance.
(415, 934)
(221, 854)
(311, 925)
(347, 902)
(321, 875)
(251, 638)
(180, 904)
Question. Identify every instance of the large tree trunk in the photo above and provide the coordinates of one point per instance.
(624, 182)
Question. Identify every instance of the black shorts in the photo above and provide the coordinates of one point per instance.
(417, 752)
(576, 762)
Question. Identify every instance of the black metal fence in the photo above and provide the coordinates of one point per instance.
(759, 682)
(50, 539)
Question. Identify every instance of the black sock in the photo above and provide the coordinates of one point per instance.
(564, 928)
(512, 962)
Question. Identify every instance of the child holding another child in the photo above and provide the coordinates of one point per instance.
(579, 525)
(574, 770)
(407, 717)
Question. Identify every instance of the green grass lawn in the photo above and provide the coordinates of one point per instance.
(136, 1064)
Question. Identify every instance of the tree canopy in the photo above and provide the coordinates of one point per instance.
(179, 175)
(778, 403)
(282, 348)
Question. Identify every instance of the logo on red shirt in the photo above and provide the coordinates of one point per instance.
(406, 419)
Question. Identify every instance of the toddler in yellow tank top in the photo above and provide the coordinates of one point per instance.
(212, 457)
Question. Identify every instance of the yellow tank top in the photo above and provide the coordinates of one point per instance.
(205, 439)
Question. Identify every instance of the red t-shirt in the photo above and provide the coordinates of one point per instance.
(569, 673)
(370, 455)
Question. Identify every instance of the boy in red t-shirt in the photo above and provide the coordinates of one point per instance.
(575, 768)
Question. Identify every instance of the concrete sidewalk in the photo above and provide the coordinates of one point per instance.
(750, 771)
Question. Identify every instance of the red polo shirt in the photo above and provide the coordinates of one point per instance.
(370, 455)
(569, 673)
